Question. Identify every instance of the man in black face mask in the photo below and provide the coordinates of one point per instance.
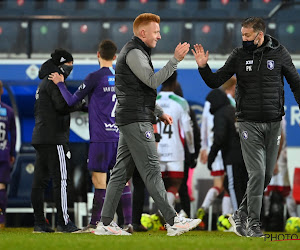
(50, 139)
(259, 67)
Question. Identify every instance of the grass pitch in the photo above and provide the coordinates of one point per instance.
(23, 239)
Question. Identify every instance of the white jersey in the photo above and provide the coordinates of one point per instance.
(171, 145)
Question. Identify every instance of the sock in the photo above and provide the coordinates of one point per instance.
(211, 195)
(3, 203)
(126, 205)
(291, 205)
(98, 201)
(171, 198)
(226, 205)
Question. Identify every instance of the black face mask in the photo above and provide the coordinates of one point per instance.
(66, 70)
(249, 45)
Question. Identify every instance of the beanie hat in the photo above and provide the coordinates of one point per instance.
(61, 56)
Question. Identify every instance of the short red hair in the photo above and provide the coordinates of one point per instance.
(144, 19)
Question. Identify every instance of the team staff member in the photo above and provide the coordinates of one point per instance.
(136, 85)
(50, 139)
(7, 151)
(260, 66)
(226, 139)
(99, 86)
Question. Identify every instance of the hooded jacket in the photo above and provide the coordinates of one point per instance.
(226, 137)
(260, 86)
(51, 112)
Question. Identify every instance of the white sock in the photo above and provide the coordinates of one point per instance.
(211, 195)
(226, 205)
(291, 205)
(171, 198)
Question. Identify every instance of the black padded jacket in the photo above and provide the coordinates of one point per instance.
(51, 112)
(226, 137)
(260, 86)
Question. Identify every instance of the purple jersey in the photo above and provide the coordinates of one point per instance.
(100, 88)
(7, 133)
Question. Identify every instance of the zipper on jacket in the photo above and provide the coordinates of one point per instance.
(260, 88)
(259, 61)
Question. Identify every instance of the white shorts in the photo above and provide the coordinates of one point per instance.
(217, 168)
(280, 182)
(172, 169)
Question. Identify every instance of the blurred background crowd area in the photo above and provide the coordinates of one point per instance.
(33, 28)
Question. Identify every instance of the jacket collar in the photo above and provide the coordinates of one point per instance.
(140, 42)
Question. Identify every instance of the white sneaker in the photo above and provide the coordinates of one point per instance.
(181, 225)
(111, 229)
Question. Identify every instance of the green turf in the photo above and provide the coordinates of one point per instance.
(23, 238)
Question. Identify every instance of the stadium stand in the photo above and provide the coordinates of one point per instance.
(119, 32)
(179, 8)
(10, 39)
(45, 36)
(289, 32)
(102, 8)
(133, 8)
(209, 34)
(171, 35)
(61, 7)
(15, 7)
(88, 33)
(89, 21)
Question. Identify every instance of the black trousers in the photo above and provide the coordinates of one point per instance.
(52, 161)
(184, 194)
(235, 183)
(138, 197)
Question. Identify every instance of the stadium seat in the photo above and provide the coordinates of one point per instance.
(48, 35)
(171, 35)
(10, 37)
(263, 8)
(223, 8)
(209, 34)
(103, 8)
(61, 7)
(17, 8)
(19, 193)
(85, 36)
(240, 9)
(120, 33)
(133, 8)
(289, 35)
(288, 13)
(179, 8)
